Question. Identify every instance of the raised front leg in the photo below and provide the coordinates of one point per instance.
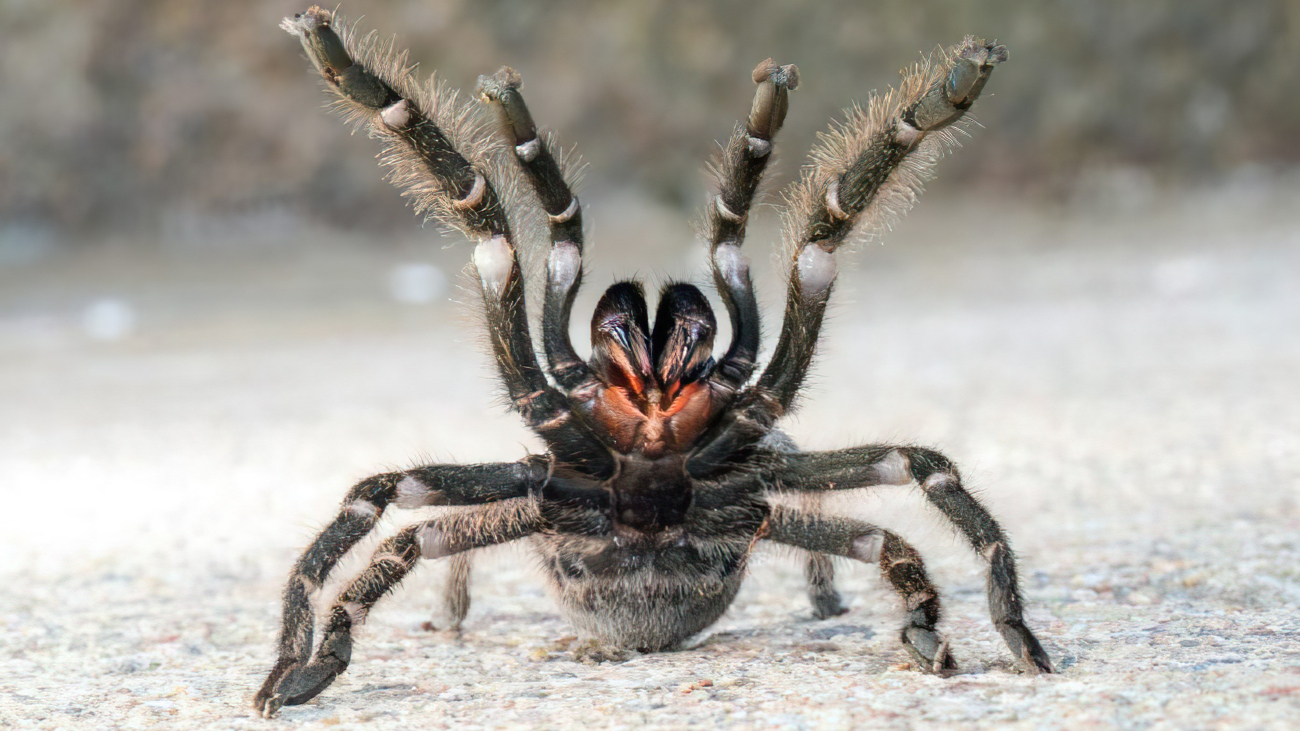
(445, 166)
(473, 527)
(360, 513)
(940, 482)
(899, 563)
(739, 171)
(542, 166)
(867, 172)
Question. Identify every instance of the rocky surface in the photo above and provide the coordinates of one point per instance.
(1122, 391)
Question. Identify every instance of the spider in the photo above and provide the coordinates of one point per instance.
(661, 462)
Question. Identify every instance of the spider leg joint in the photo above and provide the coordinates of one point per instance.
(355, 611)
(396, 115)
(833, 200)
(363, 508)
(938, 480)
(867, 548)
(563, 265)
(494, 261)
(892, 469)
(527, 151)
(567, 214)
(474, 196)
(434, 543)
(732, 264)
(817, 270)
(758, 147)
(907, 135)
(726, 212)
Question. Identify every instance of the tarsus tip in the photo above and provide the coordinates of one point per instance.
(769, 70)
(305, 22)
(505, 79)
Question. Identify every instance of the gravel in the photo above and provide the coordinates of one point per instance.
(1122, 391)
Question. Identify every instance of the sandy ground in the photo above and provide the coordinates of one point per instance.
(1123, 390)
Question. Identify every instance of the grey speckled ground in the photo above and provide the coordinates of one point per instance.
(1124, 390)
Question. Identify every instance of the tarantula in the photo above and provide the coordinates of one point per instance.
(661, 462)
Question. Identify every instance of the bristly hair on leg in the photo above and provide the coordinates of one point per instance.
(445, 166)
(868, 170)
(437, 148)
(737, 167)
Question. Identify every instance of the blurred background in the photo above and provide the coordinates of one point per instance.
(179, 121)
(215, 316)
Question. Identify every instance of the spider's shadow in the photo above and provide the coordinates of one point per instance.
(792, 634)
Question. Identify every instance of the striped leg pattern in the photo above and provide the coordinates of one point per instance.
(298, 681)
(899, 563)
(364, 505)
(940, 482)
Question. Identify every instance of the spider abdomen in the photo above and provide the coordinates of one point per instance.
(641, 596)
(666, 560)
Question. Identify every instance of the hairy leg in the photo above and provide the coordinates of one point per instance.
(444, 166)
(739, 171)
(360, 513)
(550, 181)
(455, 595)
(570, 438)
(867, 172)
(941, 484)
(820, 573)
(898, 561)
(472, 527)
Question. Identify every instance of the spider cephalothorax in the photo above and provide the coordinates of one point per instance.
(660, 461)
